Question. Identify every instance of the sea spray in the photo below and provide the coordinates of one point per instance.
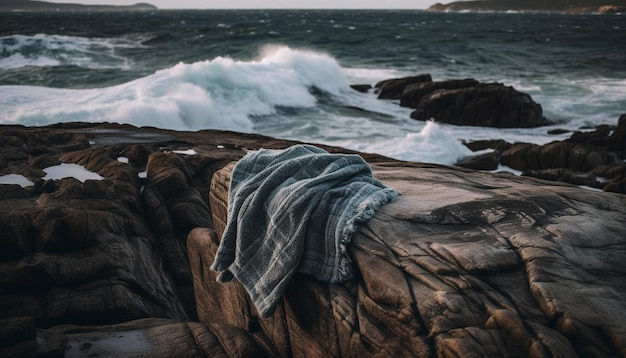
(432, 145)
(218, 94)
(288, 93)
(286, 73)
(312, 69)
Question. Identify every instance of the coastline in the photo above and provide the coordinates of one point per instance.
(39, 6)
(593, 158)
(125, 259)
(616, 7)
(108, 231)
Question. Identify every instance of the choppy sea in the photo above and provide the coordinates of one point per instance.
(287, 73)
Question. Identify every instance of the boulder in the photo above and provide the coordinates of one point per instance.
(485, 105)
(485, 161)
(498, 145)
(463, 263)
(394, 88)
(361, 88)
(586, 158)
(464, 102)
(414, 93)
(78, 254)
(521, 156)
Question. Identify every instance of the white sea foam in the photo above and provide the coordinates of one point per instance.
(430, 145)
(576, 103)
(69, 170)
(56, 50)
(217, 94)
(302, 95)
(505, 169)
(190, 151)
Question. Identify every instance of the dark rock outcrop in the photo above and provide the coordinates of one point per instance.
(464, 102)
(361, 88)
(485, 161)
(412, 95)
(595, 158)
(394, 88)
(462, 264)
(100, 251)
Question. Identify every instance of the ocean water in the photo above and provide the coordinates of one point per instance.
(287, 73)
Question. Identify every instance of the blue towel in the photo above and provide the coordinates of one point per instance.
(294, 210)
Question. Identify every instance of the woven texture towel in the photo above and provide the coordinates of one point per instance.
(294, 210)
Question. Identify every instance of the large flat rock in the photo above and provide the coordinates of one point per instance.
(462, 264)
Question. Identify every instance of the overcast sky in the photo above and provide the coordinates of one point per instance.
(270, 4)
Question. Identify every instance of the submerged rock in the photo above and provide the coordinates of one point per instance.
(361, 88)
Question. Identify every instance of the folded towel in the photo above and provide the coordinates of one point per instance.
(294, 210)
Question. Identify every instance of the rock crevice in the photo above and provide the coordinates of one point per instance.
(463, 263)
(499, 272)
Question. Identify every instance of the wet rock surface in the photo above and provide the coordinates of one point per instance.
(97, 252)
(463, 263)
(594, 158)
(464, 102)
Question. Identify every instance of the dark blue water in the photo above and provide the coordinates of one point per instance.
(286, 73)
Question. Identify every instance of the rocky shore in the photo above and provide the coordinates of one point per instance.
(592, 157)
(464, 263)
(560, 6)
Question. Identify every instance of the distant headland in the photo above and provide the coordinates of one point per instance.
(562, 6)
(30, 5)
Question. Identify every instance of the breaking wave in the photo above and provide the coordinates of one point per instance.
(218, 94)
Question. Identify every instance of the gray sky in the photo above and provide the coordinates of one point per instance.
(270, 4)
